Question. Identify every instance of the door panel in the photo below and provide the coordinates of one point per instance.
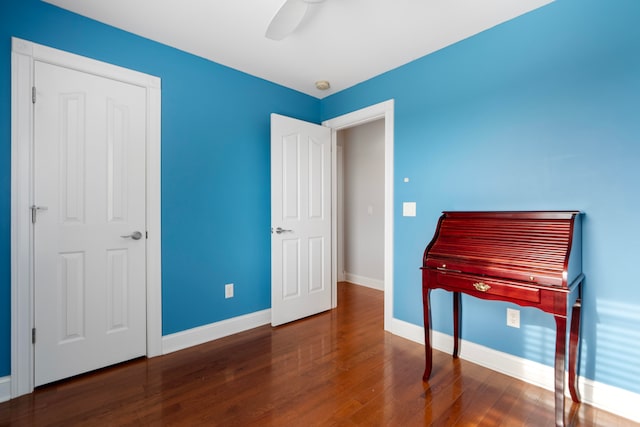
(316, 263)
(290, 177)
(71, 294)
(117, 290)
(290, 268)
(72, 160)
(89, 281)
(300, 205)
(317, 176)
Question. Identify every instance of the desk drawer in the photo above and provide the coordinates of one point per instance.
(479, 286)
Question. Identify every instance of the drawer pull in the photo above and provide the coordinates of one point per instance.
(482, 287)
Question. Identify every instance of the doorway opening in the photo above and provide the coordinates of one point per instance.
(383, 112)
(360, 175)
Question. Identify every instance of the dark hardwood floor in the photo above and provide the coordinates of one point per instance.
(337, 368)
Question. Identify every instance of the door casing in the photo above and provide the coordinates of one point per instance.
(23, 55)
(383, 110)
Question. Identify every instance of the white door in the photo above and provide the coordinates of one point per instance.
(300, 219)
(89, 175)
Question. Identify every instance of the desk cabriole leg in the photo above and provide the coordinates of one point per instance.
(456, 324)
(427, 334)
(574, 337)
(561, 345)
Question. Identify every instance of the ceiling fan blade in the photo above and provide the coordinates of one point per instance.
(286, 19)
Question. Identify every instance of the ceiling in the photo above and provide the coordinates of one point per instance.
(342, 41)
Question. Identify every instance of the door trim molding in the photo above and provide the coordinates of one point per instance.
(383, 110)
(23, 55)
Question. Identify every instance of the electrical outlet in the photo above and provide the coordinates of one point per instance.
(409, 209)
(228, 290)
(513, 318)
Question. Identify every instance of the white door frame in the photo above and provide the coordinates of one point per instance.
(383, 110)
(23, 55)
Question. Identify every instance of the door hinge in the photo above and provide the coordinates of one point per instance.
(33, 335)
(34, 212)
(33, 94)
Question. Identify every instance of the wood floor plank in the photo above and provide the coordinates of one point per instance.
(338, 368)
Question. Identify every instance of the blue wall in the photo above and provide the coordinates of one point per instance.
(215, 165)
(542, 112)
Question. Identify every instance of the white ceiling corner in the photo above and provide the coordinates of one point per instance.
(342, 41)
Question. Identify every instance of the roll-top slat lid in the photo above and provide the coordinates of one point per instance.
(528, 246)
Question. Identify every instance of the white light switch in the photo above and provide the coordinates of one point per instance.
(409, 209)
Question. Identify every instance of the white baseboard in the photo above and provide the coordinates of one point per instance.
(364, 281)
(5, 389)
(213, 331)
(608, 398)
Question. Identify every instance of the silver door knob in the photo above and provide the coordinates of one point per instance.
(136, 235)
(280, 230)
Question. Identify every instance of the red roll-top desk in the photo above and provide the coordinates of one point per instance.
(529, 258)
